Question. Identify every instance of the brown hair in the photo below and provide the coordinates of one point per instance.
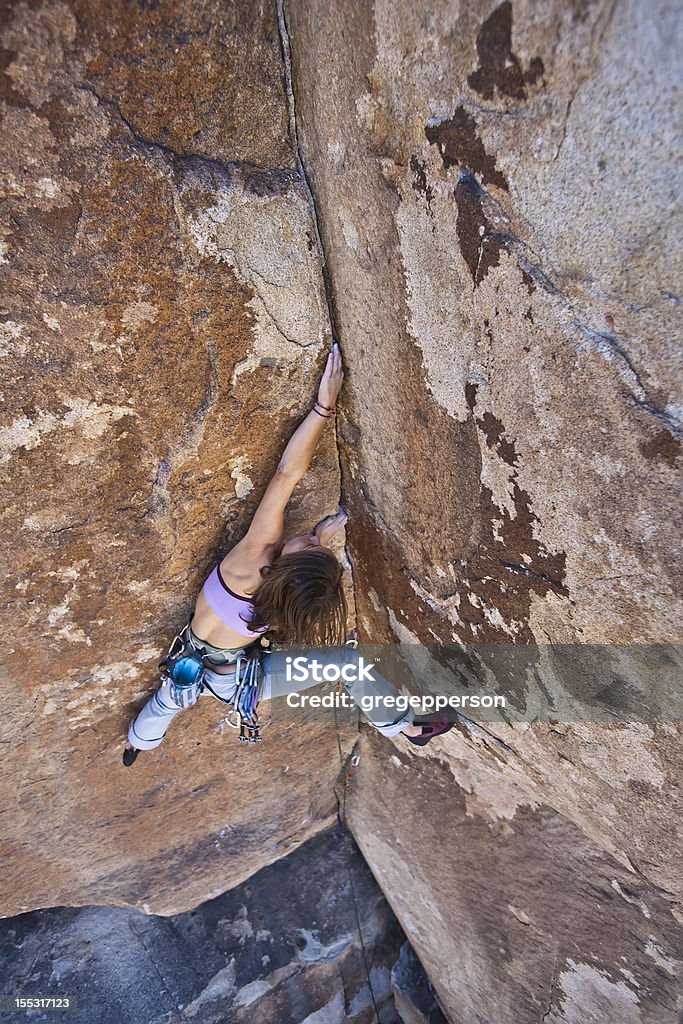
(301, 599)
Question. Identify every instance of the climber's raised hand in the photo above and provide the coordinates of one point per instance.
(332, 378)
(268, 523)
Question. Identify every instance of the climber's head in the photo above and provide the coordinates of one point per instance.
(302, 597)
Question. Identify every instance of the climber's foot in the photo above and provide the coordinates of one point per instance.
(428, 730)
(129, 754)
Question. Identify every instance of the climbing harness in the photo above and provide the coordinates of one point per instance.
(185, 668)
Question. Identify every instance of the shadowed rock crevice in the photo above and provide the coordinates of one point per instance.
(286, 51)
(281, 947)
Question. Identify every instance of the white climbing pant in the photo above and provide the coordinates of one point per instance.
(148, 729)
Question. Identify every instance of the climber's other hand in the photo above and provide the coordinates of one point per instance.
(332, 378)
(330, 525)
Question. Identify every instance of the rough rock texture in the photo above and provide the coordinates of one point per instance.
(504, 266)
(283, 947)
(517, 916)
(163, 326)
(496, 187)
(496, 199)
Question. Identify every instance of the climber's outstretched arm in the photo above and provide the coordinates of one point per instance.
(267, 526)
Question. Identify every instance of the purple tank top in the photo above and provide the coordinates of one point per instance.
(229, 606)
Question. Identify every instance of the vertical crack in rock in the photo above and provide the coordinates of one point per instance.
(294, 135)
(303, 172)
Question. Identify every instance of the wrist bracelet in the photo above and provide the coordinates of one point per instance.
(325, 407)
(323, 414)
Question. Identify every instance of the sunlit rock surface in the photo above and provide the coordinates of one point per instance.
(496, 191)
(163, 327)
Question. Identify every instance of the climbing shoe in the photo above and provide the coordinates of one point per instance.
(429, 731)
(129, 756)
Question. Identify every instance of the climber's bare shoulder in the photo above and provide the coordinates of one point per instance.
(241, 567)
(240, 571)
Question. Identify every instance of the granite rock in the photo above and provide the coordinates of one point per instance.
(495, 193)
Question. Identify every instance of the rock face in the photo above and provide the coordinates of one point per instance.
(283, 947)
(498, 221)
(163, 326)
(514, 911)
(495, 190)
(496, 200)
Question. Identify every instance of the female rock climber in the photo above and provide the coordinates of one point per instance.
(293, 590)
